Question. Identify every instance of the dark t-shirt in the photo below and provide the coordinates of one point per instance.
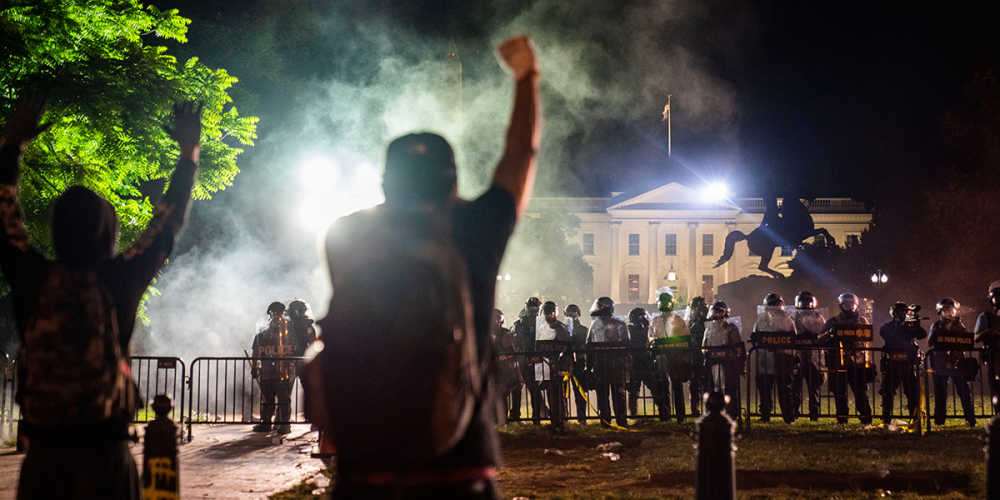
(482, 228)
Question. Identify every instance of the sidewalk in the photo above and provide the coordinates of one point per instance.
(222, 462)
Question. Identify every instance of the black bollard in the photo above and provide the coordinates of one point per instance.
(993, 459)
(715, 476)
(160, 479)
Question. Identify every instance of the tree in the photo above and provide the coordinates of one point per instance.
(542, 263)
(110, 94)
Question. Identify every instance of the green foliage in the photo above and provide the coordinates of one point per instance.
(111, 92)
(543, 263)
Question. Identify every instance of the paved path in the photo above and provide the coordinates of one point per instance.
(222, 462)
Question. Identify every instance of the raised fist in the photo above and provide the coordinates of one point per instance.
(518, 55)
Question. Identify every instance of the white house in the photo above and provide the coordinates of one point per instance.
(672, 236)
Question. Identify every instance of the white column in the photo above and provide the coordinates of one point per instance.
(615, 265)
(694, 281)
(654, 254)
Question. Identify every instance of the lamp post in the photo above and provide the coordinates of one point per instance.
(879, 278)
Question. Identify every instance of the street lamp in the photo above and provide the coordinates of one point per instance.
(880, 278)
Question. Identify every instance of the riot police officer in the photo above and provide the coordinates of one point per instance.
(775, 367)
(846, 362)
(581, 378)
(900, 360)
(508, 373)
(300, 326)
(524, 340)
(643, 370)
(274, 376)
(554, 341)
(674, 367)
(812, 365)
(724, 356)
(609, 367)
(697, 315)
(951, 363)
(988, 333)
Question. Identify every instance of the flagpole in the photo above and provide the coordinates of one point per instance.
(669, 138)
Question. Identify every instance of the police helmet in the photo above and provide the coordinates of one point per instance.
(533, 302)
(498, 317)
(603, 306)
(945, 303)
(720, 310)
(573, 309)
(550, 307)
(899, 310)
(773, 299)
(298, 305)
(275, 307)
(805, 300)
(698, 302)
(848, 301)
(636, 315)
(994, 295)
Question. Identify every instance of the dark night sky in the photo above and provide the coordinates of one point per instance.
(832, 98)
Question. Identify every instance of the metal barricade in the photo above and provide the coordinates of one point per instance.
(960, 384)
(155, 375)
(223, 391)
(664, 383)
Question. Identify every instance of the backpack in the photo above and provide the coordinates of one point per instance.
(398, 377)
(71, 367)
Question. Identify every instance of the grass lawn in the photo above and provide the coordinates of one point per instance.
(803, 461)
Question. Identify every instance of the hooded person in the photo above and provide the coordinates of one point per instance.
(610, 363)
(75, 315)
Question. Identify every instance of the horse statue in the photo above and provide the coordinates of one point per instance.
(788, 227)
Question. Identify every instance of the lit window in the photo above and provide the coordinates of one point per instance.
(588, 243)
(853, 239)
(708, 287)
(671, 245)
(707, 244)
(633, 288)
(633, 244)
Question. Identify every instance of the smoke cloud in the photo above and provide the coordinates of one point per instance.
(604, 66)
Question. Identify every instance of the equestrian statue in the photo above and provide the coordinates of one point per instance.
(787, 227)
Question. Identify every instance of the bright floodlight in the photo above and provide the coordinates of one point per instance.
(884, 278)
(716, 191)
(332, 189)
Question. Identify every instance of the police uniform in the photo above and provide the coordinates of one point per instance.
(900, 362)
(954, 365)
(673, 369)
(275, 377)
(775, 367)
(847, 369)
(610, 369)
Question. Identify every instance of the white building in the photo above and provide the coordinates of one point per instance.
(672, 236)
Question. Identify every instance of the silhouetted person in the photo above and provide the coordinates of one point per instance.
(76, 315)
(420, 185)
(581, 378)
(276, 377)
(988, 333)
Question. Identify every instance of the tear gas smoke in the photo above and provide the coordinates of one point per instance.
(322, 158)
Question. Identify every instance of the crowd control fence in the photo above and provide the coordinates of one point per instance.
(228, 391)
(773, 380)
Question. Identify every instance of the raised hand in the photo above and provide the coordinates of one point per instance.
(518, 55)
(187, 129)
(25, 124)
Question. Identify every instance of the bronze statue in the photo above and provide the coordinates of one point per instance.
(787, 227)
